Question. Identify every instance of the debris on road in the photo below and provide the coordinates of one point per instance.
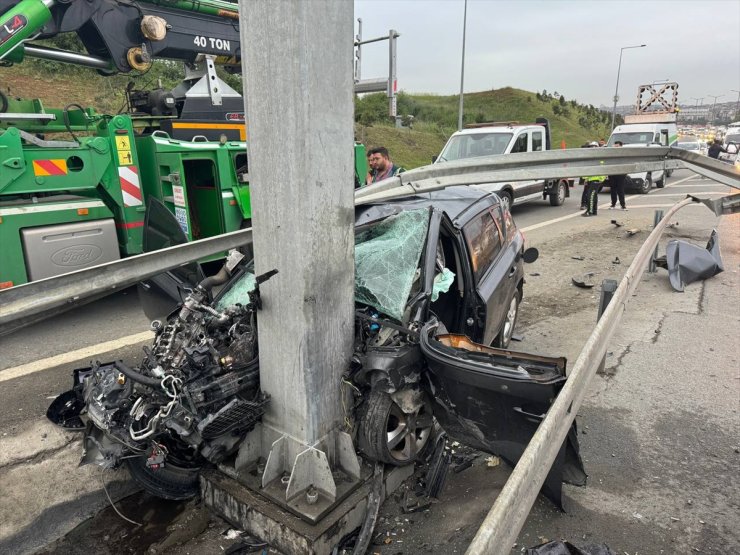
(616, 260)
(687, 263)
(633, 231)
(585, 281)
(578, 257)
(616, 223)
(493, 462)
(567, 548)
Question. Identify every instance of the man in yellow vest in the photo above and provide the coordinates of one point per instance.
(593, 184)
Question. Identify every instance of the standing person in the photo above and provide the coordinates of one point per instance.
(594, 184)
(715, 149)
(616, 186)
(380, 164)
(583, 181)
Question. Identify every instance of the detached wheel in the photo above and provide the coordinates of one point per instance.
(390, 435)
(646, 185)
(558, 198)
(506, 200)
(507, 328)
(172, 482)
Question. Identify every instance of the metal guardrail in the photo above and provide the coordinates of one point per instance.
(504, 521)
(24, 304)
(546, 165)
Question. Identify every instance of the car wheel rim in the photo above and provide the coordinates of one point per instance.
(510, 321)
(505, 202)
(561, 193)
(408, 433)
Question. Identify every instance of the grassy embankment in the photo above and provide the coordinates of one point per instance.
(435, 117)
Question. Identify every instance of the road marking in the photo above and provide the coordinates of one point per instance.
(72, 356)
(601, 206)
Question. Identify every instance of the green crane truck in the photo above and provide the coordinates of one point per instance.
(73, 183)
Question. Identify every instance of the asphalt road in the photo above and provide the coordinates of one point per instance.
(556, 319)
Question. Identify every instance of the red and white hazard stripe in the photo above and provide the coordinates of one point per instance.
(130, 186)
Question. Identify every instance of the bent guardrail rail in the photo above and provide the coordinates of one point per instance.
(504, 521)
(546, 165)
(24, 304)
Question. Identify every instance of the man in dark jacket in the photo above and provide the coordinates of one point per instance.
(715, 149)
(616, 186)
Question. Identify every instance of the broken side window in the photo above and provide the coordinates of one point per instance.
(387, 259)
(238, 293)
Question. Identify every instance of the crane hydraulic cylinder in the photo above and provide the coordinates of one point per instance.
(21, 22)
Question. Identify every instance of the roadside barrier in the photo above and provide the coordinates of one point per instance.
(501, 526)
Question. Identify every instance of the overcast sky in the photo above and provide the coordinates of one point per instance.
(567, 46)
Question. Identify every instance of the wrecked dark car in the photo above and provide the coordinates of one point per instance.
(438, 284)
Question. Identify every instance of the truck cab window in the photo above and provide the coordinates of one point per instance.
(520, 145)
(536, 141)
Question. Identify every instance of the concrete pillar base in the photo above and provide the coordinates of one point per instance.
(248, 510)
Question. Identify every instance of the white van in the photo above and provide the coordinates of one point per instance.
(646, 134)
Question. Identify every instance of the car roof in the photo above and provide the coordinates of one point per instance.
(495, 129)
(452, 201)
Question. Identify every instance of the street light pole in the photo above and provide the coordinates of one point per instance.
(462, 69)
(696, 108)
(619, 70)
(715, 97)
(737, 104)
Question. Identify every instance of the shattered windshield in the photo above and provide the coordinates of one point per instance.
(387, 261)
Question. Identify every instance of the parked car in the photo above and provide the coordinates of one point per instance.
(691, 144)
(439, 278)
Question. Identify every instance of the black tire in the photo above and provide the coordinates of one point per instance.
(646, 185)
(561, 190)
(661, 182)
(506, 199)
(668, 173)
(171, 482)
(382, 418)
(503, 338)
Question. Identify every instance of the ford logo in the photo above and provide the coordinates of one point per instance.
(77, 255)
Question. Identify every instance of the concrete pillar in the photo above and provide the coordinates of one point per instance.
(297, 60)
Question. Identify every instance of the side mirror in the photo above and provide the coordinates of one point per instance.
(434, 158)
(530, 255)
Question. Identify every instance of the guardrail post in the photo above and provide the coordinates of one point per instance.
(651, 264)
(608, 287)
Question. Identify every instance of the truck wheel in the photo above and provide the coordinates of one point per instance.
(557, 197)
(646, 185)
(661, 182)
(506, 200)
(388, 434)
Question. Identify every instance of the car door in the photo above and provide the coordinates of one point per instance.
(492, 267)
(494, 400)
(162, 293)
(528, 141)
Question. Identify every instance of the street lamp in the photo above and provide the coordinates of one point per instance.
(462, 69)
(696, 108)
(737, 104)
(715, 97)
(619, 69)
